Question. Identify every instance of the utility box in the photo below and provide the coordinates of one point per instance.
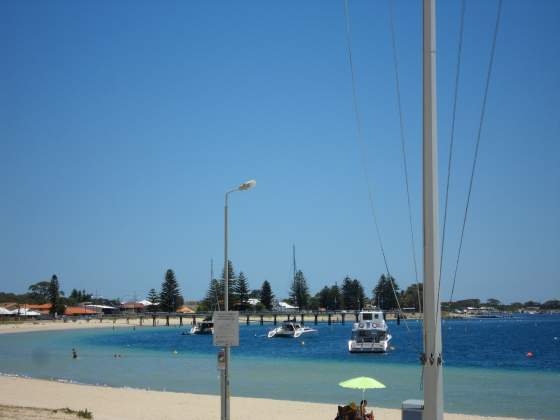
(412, 409)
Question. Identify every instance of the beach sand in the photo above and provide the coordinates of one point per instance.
(135, 404)
(30, 326)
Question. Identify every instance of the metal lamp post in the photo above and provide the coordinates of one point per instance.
(224, 377)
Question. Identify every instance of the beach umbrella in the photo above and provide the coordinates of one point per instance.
(363, 383)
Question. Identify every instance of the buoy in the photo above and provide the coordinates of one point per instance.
(530, 354)
(303, 343)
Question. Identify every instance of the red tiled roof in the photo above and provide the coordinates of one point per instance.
(132, 305)
(43, 308)
(76, 310)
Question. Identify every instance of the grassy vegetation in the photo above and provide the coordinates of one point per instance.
(84, 414)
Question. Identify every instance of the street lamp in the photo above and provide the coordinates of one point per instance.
(225, 372)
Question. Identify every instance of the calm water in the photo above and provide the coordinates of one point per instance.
(487, 370)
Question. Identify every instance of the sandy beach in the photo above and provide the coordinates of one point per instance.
(30, 326)
(135, 404)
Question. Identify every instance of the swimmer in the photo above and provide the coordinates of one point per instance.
(74, 354)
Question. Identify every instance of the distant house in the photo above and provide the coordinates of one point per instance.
(132, 307)
(25, 312)
(285, 307)
(184, 310)
(78, 311)
(253, 301)
(44, 308)
(24, 308)
(100, 309)
(10, 306)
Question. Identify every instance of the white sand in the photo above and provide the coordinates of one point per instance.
(30, 326)
(135, 404)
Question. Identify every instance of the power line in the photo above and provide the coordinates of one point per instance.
(403, 146)
(364, 154)
(478, 137)
(452, 140)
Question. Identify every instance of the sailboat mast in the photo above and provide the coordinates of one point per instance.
(432, 359)
(294, 257)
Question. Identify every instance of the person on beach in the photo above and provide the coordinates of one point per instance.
(363, 411)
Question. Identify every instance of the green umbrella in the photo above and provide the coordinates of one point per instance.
(363, 383)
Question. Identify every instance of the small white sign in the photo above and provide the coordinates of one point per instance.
(226, 328)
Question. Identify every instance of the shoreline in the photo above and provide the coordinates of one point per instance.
(47, 325)
(108, 403)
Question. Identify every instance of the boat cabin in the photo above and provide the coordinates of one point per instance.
(368, 336)
(371, 316)
(290, 326)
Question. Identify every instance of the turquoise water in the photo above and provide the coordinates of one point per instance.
(487, 371)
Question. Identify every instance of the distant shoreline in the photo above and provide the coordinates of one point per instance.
(11, 327)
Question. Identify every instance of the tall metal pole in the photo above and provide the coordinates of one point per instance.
(432, 359)
(224, 377)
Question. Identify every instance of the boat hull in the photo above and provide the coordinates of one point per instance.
(368, 346)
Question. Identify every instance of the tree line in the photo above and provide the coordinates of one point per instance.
(349, 295)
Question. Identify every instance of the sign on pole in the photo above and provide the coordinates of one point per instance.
(226, 328)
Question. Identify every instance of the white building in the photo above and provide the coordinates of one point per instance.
(285, 307)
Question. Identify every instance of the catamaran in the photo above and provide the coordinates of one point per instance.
(370, 334)
(289, 329)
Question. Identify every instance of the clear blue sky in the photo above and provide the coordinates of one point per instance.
(124, 122)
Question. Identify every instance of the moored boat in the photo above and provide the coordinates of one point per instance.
(204, 327)
(370, 334)
(289, 329)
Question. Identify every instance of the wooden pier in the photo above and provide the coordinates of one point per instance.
(248, 318)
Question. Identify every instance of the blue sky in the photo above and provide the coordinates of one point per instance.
(123, 123)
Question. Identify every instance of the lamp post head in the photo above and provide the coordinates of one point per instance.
(247, 185)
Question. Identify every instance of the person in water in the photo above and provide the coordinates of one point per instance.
(363, 411)
(74, 354)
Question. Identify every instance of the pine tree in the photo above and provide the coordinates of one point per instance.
(54, 296)
(353, 294)
(214, 299)
(241, 291)
(153, 297)
(299, 292)
(266, 295)
(232, 280)
(324, 297)
(170, 293)
(384, 293)
(336, 298)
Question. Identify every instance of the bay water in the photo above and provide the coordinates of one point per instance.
(487, 367)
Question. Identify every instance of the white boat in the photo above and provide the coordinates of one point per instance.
(370, 334)
(204, 327)
(289, 329)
